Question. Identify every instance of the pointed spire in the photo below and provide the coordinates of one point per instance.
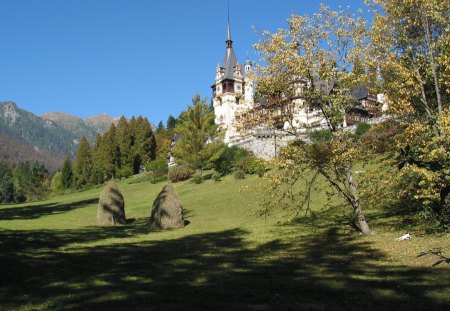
(230, 61)
(229, 41)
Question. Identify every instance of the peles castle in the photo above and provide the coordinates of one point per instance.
(233, 93)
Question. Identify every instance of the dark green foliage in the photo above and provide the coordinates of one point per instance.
(6, 185)
(98, 175)
(144, 144)
(83, 164)
(229, 159)
(250, 164)
(158, 167)
(124, 150)
(197, 146)
(197, 179)
(148, 177)
(67, 174)
(154, 179)
(181, 173)
(126, 141)
(6, 189)
(160, 129)
(239, 174)
(158, 170)
(320, 136)
(171, 123)
(362, 128)
(22, 181)
(124, 172)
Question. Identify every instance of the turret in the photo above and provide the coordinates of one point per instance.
(248, 66)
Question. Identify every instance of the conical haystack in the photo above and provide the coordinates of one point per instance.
(111, 206)
(167, 210)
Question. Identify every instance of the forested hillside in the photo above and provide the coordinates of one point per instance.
(72, 123)
(48, 139)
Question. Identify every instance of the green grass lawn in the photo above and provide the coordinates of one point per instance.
(53, 256)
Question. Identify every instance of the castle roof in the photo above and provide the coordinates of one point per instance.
(230, 60)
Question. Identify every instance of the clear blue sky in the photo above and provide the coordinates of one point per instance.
(126, 57)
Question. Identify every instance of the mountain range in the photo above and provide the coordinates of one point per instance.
(48, 138)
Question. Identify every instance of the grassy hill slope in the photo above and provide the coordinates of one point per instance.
(53, 256)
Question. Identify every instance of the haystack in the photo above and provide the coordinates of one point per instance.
(111, 206)
(167, 210)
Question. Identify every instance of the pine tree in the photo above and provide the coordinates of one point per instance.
(6, 189)
(171, 123)
(67, 174)
(160, 129)
(110, 152)
(198, 132)
(125, 141)
(98, 174)
(145, 143)
(83, 164)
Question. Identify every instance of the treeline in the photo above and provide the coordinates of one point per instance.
(23, 181)
(120, 152)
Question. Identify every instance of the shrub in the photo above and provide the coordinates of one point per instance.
(362, 128)
(180, 173)
(124, 172)
(239, 174)
(158, 167)
(56, 184)
(260, 170)
(156, 179)
(207, 176)
(252, 165)
(320, 136)
(197, 179)
(229, 159)
(216, 177)
(147, 177)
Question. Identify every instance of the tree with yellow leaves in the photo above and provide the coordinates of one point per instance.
(411, 47)
(313, 65)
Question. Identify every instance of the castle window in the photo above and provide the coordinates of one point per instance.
(228, 86)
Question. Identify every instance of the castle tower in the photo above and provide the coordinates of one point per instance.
(230, 92)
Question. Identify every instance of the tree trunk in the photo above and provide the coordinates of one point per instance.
(362, 223)
(434, 71)
(354, 200)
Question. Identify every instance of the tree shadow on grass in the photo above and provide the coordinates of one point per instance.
(35, 211)
(210, 271)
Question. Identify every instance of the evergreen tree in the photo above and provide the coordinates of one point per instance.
(125, 141)
(83, 164)
(145, 143)
(198, 132)
(22, 180)
(67, 174)
(110, 152)
(160, 129)
(98, 174)
(6, 189)
(38, 181)
(171, 123)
